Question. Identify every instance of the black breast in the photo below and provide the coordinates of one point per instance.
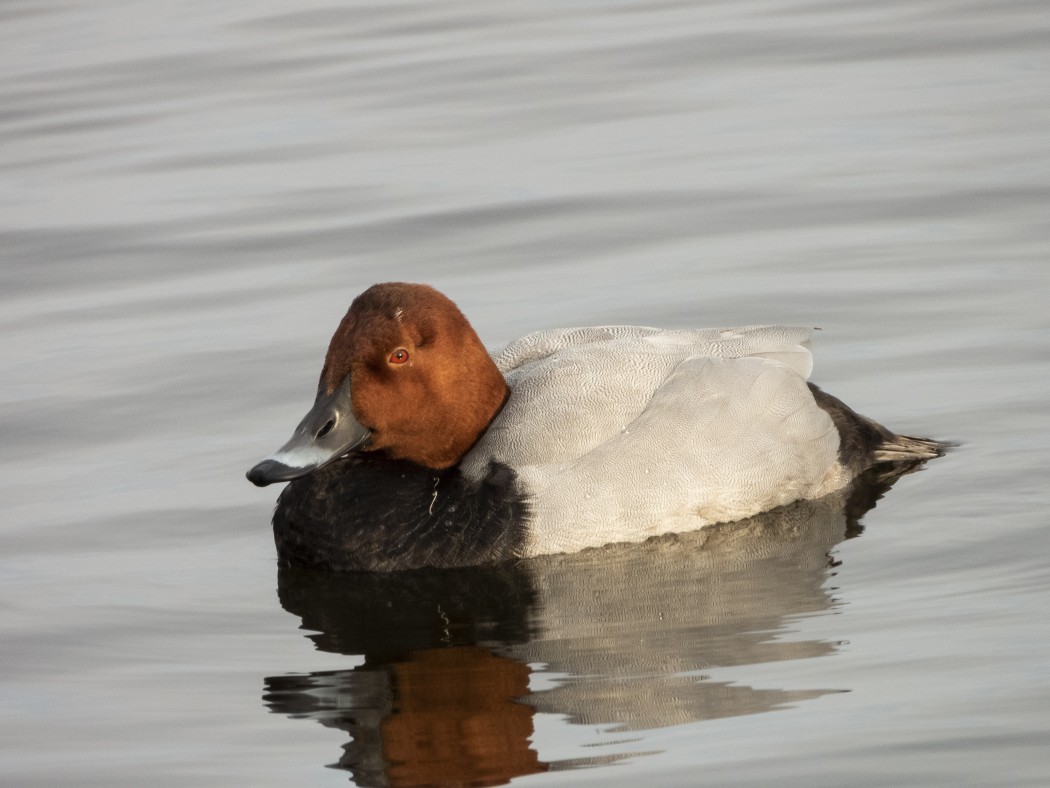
(371, 513)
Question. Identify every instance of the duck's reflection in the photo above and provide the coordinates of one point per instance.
(624, 633)
(438, 716)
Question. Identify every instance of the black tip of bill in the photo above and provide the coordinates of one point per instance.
(270, 471)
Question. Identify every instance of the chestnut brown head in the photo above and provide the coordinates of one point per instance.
(405, 374)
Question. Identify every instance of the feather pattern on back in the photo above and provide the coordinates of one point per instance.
(619, 432)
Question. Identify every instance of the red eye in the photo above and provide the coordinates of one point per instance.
(399, 356)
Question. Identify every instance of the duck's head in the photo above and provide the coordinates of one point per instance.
(405, 374)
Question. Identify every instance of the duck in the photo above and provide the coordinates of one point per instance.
(422, 449)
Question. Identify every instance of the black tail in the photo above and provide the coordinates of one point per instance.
(864, 443)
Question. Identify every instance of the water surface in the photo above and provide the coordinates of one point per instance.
(191, 196)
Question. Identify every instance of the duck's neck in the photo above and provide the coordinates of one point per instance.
(479, 393)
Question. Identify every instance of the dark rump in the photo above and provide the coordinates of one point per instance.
(864, 443)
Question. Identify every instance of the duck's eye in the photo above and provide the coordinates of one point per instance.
(399, 356)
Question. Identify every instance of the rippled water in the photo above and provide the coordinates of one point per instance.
(191, 195)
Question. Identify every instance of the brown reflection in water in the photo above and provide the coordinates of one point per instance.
(455, 721)
(429, 706)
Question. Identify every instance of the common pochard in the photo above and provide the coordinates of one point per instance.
(422, 449)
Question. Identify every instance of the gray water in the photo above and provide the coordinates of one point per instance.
(190, 196)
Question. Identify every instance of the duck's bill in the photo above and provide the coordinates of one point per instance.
(326, 433)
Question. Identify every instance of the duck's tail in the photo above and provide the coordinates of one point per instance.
(864, 443)
(904, 448)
